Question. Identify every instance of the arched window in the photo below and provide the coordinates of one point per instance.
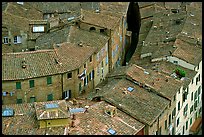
(92, 28)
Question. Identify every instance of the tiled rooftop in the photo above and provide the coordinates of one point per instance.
(15, 23)
(47, 40)
(96, 122)
(141, 104)
(163, 33)
(160, 83)
(88, 38)
(26, 11)
(44, 110)
(190, 53)
(24, 121)
(68, 55)
(166, 68)
(38, 63)
(99, 19)
(44, 62)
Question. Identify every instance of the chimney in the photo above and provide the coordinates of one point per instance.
(110, 110)
(74, 101)
(24, 63)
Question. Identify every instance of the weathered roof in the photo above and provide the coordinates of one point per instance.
(99, 19)
(72, 55)
(96, 122)
(162, 84)
(166, 68)
(114, 8)
(60, 7)
(47, 40)
(163, 33)
(15, 23)
(191, 53)
(24, 122)
(141, 104)
(26, 11)
(43, 112)
(38, 63)
(88, 38)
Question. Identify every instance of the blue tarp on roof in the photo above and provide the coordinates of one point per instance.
(52, 105)
(130, 89)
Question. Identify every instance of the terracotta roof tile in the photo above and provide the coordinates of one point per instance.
(38, 63)
(26, 11)
(72, 56)
(141, 104)
(92, 39)
(155, 80)
(96, 122)
(99, 19)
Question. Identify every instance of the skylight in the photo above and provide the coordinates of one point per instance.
(52, 105)
(76, 110)
(7, 112)
(130, 89)
(111, 131)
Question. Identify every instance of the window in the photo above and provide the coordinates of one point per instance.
(173, 113)
(195, 104)
(191, 120)
(66, 94)
(80, 87)
(174, 97)
(192, 81)
(77, 71)
(165, 124)
(183, 130)
(195, 96)
(178, 105)
(102, 30)
(17, 39)
(19, 101)
(4, 93)
(92, 28)
(199, 90)
(32, 84)
(90, 59)
(175, 62)
(50, 97)
(106, 59)
(199, 77)
(185, 110)
(192, 96)
(38, 29)
(186, 125)
(69, 75)
(93, 74)
(11, 93)
(169, 119)
(49, 80)
(191, 109)
(32, 99)
(18, 85)
(86, 81)
(5, 40)
(85, 65)
(198, 67)
(185, 94)
(177, 122)
(196, 80)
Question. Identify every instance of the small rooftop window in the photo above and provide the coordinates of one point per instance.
(130, 89)
(111, 131)
(51, 106)
(21, 3)
(77, 110)
(92, 28)
(8, 112)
